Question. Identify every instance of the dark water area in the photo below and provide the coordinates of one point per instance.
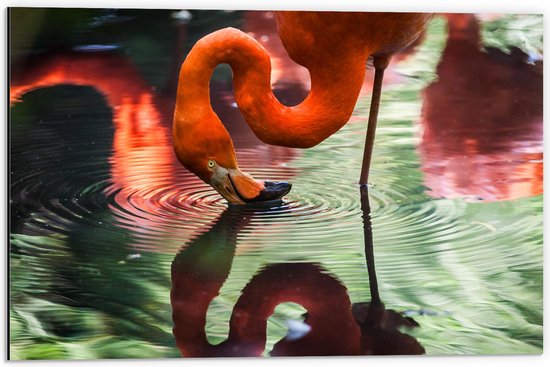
(117, 251)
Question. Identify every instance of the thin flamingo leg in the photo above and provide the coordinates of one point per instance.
(380, 64)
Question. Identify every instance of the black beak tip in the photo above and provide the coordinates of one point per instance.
(273, 191)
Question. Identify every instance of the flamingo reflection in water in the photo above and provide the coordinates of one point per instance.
(482, 120)
(333, 325)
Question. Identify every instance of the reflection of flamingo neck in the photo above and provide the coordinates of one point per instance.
(334, 90)
(325, 299)
(199, 271)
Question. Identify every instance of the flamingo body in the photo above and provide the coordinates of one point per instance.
(333, 46)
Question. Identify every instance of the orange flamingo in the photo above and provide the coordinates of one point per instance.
(142, 160)
(334, 47)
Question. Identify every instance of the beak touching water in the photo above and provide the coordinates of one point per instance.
(240, 188)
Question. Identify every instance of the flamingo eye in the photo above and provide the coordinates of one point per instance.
(211, 164)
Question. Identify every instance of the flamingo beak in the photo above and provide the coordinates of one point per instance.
(240, 188)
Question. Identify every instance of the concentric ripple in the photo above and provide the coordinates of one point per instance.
(138, 186)
(171, 199)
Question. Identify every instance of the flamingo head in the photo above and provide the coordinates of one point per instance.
(238, 187)
(214, 162)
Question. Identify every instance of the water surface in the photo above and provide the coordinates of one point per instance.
(113, 244)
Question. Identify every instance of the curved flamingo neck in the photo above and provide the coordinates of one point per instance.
(335, 87)
(325, 299)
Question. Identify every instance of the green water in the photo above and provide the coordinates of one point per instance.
(101, 209)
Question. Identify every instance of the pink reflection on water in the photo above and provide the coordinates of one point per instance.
(482, 120)
(151, 192)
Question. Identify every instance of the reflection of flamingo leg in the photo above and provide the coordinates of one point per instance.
(369, 248)
(379, 326)
(380, 64)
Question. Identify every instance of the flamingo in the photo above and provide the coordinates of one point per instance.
(333, 46)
